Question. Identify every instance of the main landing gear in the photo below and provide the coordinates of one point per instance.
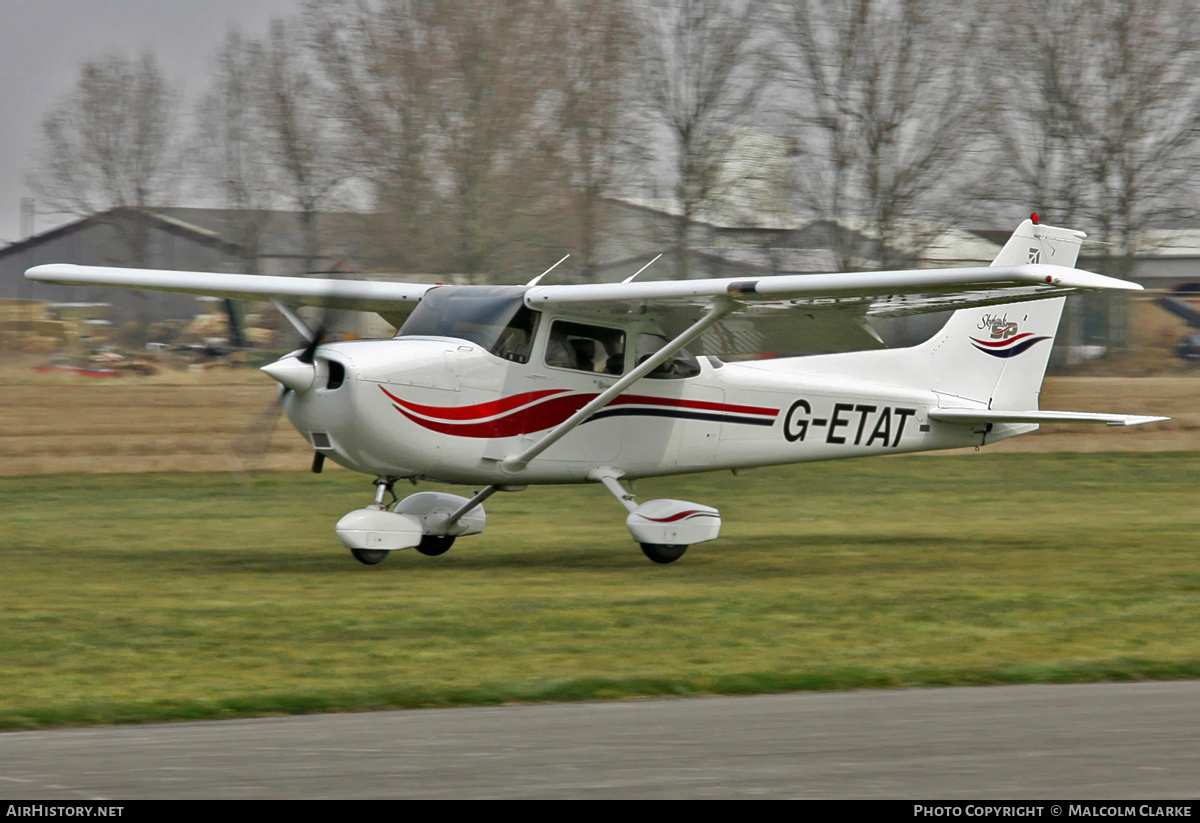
(664, 528)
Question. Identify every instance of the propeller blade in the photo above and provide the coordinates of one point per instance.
(252, 444)
(310, 350)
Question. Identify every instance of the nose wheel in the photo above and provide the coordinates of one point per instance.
(369, 557)
(429, 522)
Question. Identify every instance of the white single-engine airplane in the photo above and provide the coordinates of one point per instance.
(510, 386)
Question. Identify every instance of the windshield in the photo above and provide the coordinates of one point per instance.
(490, 316)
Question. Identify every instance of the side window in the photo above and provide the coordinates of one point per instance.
(585, 348)
(683, 364)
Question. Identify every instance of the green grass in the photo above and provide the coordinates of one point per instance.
(128, 598)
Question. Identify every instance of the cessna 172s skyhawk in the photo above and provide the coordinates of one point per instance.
(510, 386)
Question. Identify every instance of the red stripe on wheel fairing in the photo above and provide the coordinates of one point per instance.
(679, 516)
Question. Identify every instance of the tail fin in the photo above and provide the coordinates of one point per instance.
(1034, 243)
(998, 355)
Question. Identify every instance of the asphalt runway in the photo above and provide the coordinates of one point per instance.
(1105, 741)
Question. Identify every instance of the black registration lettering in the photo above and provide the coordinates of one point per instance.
(863, 411)
(903, 415)
(794, 429)
(886, 424)
(883, 428)
(834, 422)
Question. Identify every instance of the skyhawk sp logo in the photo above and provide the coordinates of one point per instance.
(1005, 338)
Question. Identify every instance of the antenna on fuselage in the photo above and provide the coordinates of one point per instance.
(535, 280)
(642, 269)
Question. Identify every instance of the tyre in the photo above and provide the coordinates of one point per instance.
(663, 553)
(432, 545)
(369, 556)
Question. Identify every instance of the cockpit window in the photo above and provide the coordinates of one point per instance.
(494, 317)
(516, 341)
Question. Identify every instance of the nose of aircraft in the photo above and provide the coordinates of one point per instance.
(293, 373)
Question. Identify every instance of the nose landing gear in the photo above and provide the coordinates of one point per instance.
(427, 521)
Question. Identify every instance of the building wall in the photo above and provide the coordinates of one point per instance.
(99, 245)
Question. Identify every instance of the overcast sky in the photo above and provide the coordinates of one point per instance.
(43, 41)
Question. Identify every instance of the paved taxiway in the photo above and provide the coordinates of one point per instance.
(1104, 741)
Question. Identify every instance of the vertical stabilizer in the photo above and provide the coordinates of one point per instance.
(1034, 243)
(997, 355)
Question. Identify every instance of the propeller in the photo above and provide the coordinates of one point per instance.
(298, 373)
(293, 374)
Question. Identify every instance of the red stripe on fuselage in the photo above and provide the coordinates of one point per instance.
(548, 413)
(536, 411)
(477, 411)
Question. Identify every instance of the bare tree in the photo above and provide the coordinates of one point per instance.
(885, 115)
(1102, 120)
(111, 144)
(232, 141)
(1138, 113)
(455, 107)
(500, 169)
(376, 57)
(597, 48)
(700, 78)
(1103, 108)
(307, 143)
(1138, 120)
(1033, 87)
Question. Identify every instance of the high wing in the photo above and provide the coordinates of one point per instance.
(820, 312)
(771, 314)
(392, 300)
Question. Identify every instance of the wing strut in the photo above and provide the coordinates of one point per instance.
(295, 319)
(720, 307)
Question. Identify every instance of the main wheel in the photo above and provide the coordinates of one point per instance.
(370, 556)
(432, 545)
(662, 552)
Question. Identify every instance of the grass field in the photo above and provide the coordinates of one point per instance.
(135, 597)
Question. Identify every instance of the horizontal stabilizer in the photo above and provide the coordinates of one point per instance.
(991, 416)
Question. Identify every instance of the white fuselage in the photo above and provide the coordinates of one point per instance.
(446, 409)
